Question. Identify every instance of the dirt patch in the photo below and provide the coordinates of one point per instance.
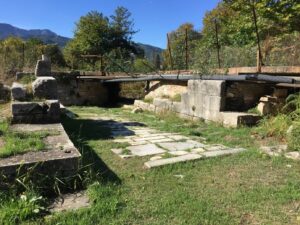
(5, 110)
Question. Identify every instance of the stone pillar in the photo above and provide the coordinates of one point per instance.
(43, 67)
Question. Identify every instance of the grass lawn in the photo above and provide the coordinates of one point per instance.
(14, 143)
(249, 188)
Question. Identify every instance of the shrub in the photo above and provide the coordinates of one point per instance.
(293, 138)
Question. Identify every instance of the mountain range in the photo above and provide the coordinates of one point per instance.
(49, 37)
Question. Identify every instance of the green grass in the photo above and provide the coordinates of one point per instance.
(248, 188)
(15, 143)
(27, 79)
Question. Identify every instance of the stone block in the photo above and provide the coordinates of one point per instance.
(176, 107)
(145, 150)
(18, 92)
(235, 119)
(208, 87)
(34, 112)
(162, 104)
(210, 154)
(268, 99)
(43, 68)
(173, 160)
(45, 88)
(265, 108)
(5, 92)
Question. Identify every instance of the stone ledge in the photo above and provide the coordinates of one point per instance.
(61, 157)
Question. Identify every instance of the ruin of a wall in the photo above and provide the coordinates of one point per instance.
(205, 100)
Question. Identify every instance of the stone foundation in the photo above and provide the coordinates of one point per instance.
(59, 158)
(36, 112)
(203, 100)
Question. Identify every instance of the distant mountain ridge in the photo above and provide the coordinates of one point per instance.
(49, 37)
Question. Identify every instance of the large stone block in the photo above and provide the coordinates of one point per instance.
(5, 92)
(208, 87)
(45, 88)
(187, 107)
(235, 119)
(43, 68)
(18, 92)
(36, 112)
(162, 104)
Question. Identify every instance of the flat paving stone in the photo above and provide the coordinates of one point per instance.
(178, 153)
(161, 140)
(156, 158)
(216, 148)
(293, 155)
(117, 151)
(134, 143)
(198, 150)
(180, 146)
(179, 137)
(126, 156)
(149, 138)
(144, 150)
(162, 162)
(209, 154)
(70, 202)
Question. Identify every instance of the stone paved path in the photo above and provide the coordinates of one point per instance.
(163, 147)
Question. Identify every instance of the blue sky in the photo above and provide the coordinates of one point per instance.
(153, 18)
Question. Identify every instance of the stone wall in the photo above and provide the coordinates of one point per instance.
(203, 100)
(81, 92)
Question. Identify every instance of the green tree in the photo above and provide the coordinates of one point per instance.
(178, 46)
(96, 34)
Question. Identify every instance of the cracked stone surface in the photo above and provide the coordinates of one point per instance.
(161, 148)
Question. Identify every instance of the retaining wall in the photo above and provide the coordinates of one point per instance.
(203, 100)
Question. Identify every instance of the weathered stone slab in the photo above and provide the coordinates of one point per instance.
(43, 68)
(293, 155)
(144, 150)
(59, 157)
(180, 146)
(70, 202)
(209, 154)
(162, 162)
(18, 92)
(117, 151)
(216, 148)
(45, 88)
(178, 153)
(149, 138)
(179, 137)
(235, 119)
(36, 112)
(161, 140)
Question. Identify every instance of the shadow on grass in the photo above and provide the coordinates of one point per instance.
(81, 131)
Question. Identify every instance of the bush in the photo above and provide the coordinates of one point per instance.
(293, 138)
(275, 126)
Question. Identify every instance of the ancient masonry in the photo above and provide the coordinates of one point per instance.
(217, 101)
(36, 107)
(163, 148)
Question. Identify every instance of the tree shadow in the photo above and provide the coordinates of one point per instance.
(81, 131)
